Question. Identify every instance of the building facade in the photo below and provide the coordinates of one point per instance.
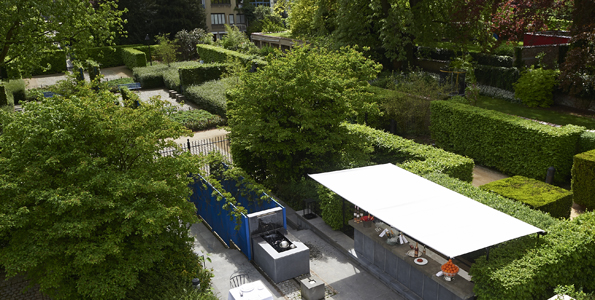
(221, 12)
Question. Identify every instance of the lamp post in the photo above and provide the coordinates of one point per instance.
(148, 39)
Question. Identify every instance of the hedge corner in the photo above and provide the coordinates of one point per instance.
(542, 196)
(583, 179)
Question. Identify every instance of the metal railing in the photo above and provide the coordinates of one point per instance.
(203, 147)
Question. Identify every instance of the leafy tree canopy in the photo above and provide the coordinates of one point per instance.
(89, 208)
(285, 118)
(29, 28)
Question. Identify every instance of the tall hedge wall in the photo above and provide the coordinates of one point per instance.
(583, 179)
(513, 145)
(210, 53)
(108, 56)
(499, 77)
(133, 58)
(531, 267)
(414, 157)
(201, 73)
(57, 61)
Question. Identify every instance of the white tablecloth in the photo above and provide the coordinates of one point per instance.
(251, 291)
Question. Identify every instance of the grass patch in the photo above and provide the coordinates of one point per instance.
(535, 113)
(197, 119)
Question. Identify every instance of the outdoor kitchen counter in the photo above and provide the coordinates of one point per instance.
(392, 260)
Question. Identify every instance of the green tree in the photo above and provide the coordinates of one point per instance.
(167, 50)
(285, 118)
(28, 28)
(89, 208)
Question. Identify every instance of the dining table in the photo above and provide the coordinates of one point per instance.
(255, 290)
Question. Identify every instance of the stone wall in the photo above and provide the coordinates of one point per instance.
(12, 289)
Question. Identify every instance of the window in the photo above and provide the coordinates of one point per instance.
(217, 19)
(261, 2)
(241, 19)
(230, 19)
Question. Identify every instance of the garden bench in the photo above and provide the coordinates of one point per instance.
(130, 86)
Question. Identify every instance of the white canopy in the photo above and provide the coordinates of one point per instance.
(444, 220)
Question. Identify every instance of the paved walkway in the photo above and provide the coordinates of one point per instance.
(46, 80)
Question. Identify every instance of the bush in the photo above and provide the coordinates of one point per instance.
(209, 96)
(130, 98)
(331, 207)
(55, 61)
(531, 267)
(3, 95)
(416, 158)
(536, 87)
(171, 79)
(499, 77)
(202, 73)
(583, 179)
(187, 41)
(586, 141)
(197, 119)
(133, 58)
(537, 194)
(511, 144)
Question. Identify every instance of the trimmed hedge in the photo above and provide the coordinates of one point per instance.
(542, 196)
(3, 95)
(583, 179)
(197, 119)
(511, 144)
(586, 142)
(133, 58)
(57, 61)
(202, 73)
(108, 56)
(15, 91)
(497, 76)
(416, 158)
(159, 75)
(210, 53)
(510, 207)
(210, 96)
(531, 267)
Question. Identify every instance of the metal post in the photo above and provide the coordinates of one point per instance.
(343, 225)
(487, 253)
(188, 141)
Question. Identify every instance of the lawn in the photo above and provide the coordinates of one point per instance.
(555, 114)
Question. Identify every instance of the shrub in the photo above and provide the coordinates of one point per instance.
(52, 62)
(187, 41)
(586, 141)
(199, 74)
(331, 208)
(416, 158)
(171, 79)
(535, 87)
(531, 267)
(197, 119)
(209, 96)
(133, 58)
(583, 179)
(158, 75)
(499, 77)
(511, 144)
(539, 195)
(130, 98)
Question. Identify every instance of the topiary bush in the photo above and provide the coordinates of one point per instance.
(537, 194)
(511, 144)
(15, 91)
(535, 87)
(133, 58)
(209, 96)
(108, 56)
(196, 75)
(414, 157)
(583, 179)
(159, 75)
